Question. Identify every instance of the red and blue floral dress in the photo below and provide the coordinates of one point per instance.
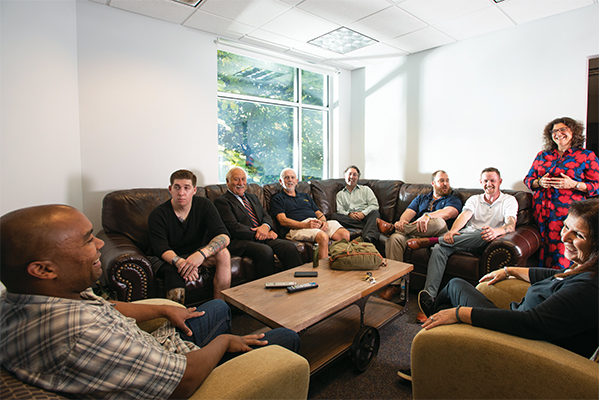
(550, 206)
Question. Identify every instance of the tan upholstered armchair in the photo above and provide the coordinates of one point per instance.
(271, 372)
(462, 361)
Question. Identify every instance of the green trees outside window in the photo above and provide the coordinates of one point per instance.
(266, 124)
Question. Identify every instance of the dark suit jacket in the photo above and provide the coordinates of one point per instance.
(236, 218)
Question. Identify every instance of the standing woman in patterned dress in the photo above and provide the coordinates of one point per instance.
(562, 173)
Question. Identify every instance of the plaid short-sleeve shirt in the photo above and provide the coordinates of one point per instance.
(88, 348)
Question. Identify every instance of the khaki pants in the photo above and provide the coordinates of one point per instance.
(396, 244)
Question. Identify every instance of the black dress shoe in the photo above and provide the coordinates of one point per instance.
(425, 302)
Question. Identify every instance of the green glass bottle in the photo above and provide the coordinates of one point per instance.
(315, 255)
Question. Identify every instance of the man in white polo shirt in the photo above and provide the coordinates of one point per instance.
(484, 218)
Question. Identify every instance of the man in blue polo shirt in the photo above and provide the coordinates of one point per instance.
(428, 215)
(298, 214)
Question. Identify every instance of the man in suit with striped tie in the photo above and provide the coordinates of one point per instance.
(250, 227)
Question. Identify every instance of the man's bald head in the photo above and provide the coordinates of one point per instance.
(30, 234)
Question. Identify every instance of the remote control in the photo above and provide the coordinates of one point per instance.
(304, 286)
(272, 285)
(299, 274)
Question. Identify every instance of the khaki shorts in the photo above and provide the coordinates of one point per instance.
(309, 235)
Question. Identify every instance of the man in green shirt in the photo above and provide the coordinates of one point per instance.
(357, 206)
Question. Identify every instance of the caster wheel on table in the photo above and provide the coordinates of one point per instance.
(365, 347)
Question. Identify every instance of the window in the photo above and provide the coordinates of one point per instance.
(265, 123)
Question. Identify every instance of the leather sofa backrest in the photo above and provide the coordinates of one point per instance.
(214, 191)
(324, 192)
(409, 191)
(126, 212)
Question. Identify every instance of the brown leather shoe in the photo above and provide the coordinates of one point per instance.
(419, 243)
(421, 317)
(390, 292)
(385, 227)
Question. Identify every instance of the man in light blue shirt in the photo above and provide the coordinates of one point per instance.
(357, 206)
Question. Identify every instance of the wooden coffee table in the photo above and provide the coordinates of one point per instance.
(324, 318)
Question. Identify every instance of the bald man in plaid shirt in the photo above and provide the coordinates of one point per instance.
(55, 333)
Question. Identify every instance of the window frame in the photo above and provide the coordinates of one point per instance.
(297, 105)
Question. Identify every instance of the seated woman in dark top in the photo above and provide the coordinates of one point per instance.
(561, 308)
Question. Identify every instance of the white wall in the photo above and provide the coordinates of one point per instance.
(40, 161)
(95, 99)
(147, 102)
(478, 103)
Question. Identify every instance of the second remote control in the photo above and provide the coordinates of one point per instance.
(303, 286)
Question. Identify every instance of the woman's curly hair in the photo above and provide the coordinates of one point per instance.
(576, 128)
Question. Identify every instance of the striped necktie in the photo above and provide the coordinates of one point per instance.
(250, 211)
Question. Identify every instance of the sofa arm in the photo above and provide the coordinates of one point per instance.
(270, 372)
(462, 361)
(127, 271)
(511, 249)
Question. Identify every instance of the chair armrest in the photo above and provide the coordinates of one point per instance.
(462, 361)
(127, 271)
(153, 324)
(511, 249)
(504, 292)
(270, 372)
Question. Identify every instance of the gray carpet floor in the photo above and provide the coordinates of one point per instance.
(339, 380)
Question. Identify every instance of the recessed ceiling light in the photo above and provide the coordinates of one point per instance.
(193, 3)
(342, 40)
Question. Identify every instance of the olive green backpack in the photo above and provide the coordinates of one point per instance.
(354, 255)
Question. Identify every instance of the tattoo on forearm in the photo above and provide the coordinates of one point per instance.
(510, 225)
(218, 243)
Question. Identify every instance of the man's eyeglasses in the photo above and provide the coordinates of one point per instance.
(561, 130)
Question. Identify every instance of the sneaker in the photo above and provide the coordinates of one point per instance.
(421, 318)
(425, 302)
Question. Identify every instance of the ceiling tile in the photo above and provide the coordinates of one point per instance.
(353, 10)
(219, 25)
(387, 24)
(476, 23)
(162, 9)
(435, 11)
(263, 44)
(422, 39)
(273, 38)
(528, 10)
(299, 25)
(250, 12)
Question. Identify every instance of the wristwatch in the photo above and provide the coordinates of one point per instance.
(174, 260)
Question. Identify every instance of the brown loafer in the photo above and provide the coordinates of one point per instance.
(421, 317)
(385, 227)
(419, 243)
(389, 292)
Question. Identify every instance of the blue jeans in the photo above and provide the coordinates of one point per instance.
(217, 321)
(466, 241)
(459, 292)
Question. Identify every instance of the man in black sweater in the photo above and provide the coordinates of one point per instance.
(184, 232)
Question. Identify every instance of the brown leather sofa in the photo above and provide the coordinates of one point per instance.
(127, 271)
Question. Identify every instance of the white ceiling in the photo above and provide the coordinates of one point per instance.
(400, 26)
